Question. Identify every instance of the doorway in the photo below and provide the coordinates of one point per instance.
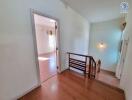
(46, 40)
(123, 52)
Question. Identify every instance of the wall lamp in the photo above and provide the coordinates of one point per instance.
(101, 45)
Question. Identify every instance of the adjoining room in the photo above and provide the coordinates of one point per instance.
(46, 46)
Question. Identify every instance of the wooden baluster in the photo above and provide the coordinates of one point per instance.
(89, 73)
(69, 60)
(85, 65)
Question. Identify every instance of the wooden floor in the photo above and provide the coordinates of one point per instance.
(48, 66)
(72, 86)
(108, 77)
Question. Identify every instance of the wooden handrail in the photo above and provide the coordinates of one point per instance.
(79, 54)
(94, 61)
(93, 68)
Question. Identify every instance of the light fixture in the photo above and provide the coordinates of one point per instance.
(101, 45)
(49, 32)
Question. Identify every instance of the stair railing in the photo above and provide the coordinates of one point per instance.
(87, 64)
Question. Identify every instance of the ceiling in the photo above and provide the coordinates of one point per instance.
(41, 20)
(96, 10)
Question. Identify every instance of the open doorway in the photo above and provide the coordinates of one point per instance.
(46, 40)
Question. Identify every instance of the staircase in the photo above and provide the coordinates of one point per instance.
(84, 63)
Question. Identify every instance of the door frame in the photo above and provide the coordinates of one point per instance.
(32, 12)
(120, 65)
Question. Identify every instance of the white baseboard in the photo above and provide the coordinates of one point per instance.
(34, 87)
(108, 70)
(26, 92)
(62, 70)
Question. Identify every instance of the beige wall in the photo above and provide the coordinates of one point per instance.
(126, 79)
(17, 59)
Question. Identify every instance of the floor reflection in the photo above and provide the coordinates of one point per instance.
(47, 65)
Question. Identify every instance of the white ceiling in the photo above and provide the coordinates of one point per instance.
(41, 20)
(96, 10)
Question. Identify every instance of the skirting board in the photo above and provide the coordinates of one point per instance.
(113, 73)
(62, 70)
(26, 92)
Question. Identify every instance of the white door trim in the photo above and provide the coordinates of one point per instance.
(35, 42)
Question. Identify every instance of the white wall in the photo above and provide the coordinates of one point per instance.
(126, 79)
(17, 60)
(109, 33)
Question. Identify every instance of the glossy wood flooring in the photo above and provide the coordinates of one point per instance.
(72, 86)
(108, 78)
(47, 66)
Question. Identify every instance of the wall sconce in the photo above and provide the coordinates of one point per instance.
(101, 45)
(50, 33)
